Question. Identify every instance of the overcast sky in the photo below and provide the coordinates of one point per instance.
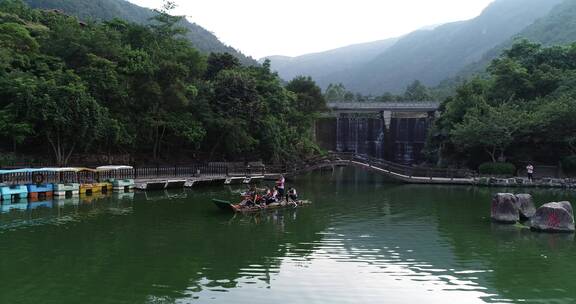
(261, 28)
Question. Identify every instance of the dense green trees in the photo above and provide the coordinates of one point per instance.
(68, 87)
(416, 91)
(338, 93)
(523, 111)
(309, 97)
(107, 10)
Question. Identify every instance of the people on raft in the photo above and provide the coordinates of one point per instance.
(251, 197)
(248, 201)
(271, 196)
(292, 195)
(280, 183)
(264, 197)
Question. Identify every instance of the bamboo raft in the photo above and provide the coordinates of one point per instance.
(228, 206)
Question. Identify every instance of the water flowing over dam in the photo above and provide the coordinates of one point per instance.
(392, 131)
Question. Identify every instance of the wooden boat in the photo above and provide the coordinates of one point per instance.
(228, 206)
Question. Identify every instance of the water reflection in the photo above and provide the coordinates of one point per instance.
(40, 204)
(277, 218)
(362, 241)
(25, 213)
(16, 206)
(166, 194)
(63, 201)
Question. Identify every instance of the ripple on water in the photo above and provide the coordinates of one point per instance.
(372, 243)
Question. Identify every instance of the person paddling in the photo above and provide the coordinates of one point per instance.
(292, 195)
(280, 186)
(274, 196)
(269, 198)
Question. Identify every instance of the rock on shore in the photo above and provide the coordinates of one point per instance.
(554, 217)
(505, 208)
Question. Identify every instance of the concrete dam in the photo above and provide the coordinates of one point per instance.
(394, 132)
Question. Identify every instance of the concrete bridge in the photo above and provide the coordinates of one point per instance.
(393, 131)
(375, 107)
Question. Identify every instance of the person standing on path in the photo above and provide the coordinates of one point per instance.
(530, 172)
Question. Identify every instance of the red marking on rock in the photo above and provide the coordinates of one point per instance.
(553, 219)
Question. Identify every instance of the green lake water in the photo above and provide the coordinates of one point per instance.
(362, 241)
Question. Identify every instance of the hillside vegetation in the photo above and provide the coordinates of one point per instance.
(433, 55)
(556, 28)
(522, 111)
(69, 88)
(103, 10)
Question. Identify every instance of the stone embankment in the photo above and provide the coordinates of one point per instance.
(567, 183)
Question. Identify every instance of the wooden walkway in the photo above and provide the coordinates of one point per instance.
(197, 181)
(396, 172)
(224, 173)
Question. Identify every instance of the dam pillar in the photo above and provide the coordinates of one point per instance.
(392, 131)
(387, 117)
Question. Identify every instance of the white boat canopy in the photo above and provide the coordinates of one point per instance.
(110, 168)
(68, 169)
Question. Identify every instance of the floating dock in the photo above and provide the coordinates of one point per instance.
(44, 191)
(218, 181)
(176, 184)
(237, 180)
(67, 190)
(86, 189)
(76, 181)
(152, 185)
(91, 188)
(253, 179)
(125, 185)
(14, 192)
(104, 187)
(155, 184)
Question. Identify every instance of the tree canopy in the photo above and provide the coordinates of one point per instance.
(68, 88)
(523, 111)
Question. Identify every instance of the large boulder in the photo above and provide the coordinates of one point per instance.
(554, 217)
(505, 208)
(525, 205)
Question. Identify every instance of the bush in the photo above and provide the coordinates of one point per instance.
(506, 169)
(569, 164)
(7, 159)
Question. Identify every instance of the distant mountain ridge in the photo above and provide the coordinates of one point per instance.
(556, 28)
(201, 38)
(430, 56)
(320, 65)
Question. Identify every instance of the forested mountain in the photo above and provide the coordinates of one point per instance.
(557, 28)
(434, 55)
(322, 65)
(522, 110)
(202, 39)
(69, 89)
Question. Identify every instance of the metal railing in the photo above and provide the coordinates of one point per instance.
(347, 158)
(194, 170)
(237, 169)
